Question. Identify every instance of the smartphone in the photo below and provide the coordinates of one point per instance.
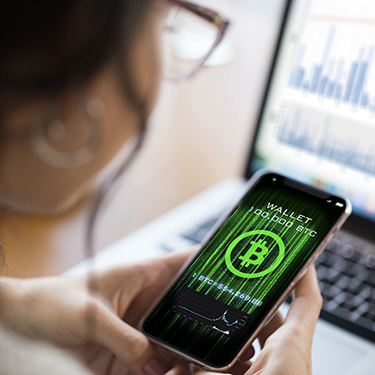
(244, 270)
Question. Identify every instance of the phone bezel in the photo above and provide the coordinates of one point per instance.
(319, 249)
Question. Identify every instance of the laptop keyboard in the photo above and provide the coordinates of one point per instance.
(347, 283)
(346, 279)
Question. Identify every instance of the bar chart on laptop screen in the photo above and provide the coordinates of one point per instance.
(340, 141)
(335, 57)
(322, 124)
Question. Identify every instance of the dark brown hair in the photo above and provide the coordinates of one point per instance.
(48, 46)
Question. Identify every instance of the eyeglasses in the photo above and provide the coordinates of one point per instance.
(192, 33)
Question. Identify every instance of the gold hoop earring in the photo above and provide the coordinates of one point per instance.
(47, 136)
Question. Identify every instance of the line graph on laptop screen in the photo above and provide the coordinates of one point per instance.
(319, 120)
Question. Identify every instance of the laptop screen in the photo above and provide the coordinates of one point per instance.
(318, 120)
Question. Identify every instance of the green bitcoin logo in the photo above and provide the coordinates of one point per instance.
(256, 254)
(253, 251)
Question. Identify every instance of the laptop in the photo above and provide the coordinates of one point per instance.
(317, 125)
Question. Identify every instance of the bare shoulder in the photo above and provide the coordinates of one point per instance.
(21, 356)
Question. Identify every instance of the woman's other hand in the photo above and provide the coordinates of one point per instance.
(99, 325)
(286, 345)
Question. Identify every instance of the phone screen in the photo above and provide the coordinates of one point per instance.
(211, 311)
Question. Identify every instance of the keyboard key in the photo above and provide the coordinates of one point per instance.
(332, 276)
(371, 304)
(175, 243)
(197, 234)
(353, 302)
(347, 281)
(209, 224)
(363, 322)
(334, 246)
(362, 275)
(342, 312)
(370, 279)
(348, 307)
(340, 265)
(330, 259)
(343, 282)
(347, 251)
(323, 287)
(321, 271)
(356, 290)
(329, 305)
(371, 298)
(370, 261)
(352, 268)
(333, 292)
(370, 315)
(357, 256)
(354, 286)
(365, 292)
(362, 308)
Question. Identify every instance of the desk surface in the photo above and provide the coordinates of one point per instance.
(198, 135)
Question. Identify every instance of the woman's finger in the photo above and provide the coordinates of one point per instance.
(307, 300)
(276, 322)
(248, 353)
(167, 266)
(155, 275)
(142, 276)
(128, 344)
(307, 303)
(239, 368)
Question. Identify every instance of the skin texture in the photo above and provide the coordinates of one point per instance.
(40, 358)
(89, 324)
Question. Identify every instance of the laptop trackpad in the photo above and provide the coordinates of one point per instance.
(329, 356)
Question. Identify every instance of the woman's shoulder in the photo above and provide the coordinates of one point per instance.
(20, 356)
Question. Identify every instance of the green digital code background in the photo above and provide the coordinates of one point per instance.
(209, 273)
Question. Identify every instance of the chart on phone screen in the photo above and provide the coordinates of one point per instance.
(209, 312)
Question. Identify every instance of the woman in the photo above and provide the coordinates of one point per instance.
(78, 80)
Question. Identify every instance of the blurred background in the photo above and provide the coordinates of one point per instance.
(197, 136)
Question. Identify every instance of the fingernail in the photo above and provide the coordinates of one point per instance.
(180, 370)
(155, 367)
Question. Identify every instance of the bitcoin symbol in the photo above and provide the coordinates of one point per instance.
(256, 254)
(252, 252)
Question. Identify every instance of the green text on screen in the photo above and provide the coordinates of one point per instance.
(211, 311)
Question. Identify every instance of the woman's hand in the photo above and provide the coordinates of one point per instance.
(286, 345)
(99, 322)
